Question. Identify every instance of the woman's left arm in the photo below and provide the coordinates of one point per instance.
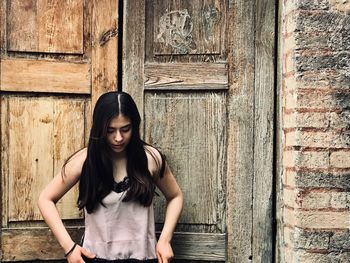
(171, 190)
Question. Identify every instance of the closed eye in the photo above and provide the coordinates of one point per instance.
(126, 128)
(110, 130)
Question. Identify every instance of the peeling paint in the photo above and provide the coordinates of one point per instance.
(175, 30)
(211, 16)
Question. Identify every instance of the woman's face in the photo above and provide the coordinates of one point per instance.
(119, 132)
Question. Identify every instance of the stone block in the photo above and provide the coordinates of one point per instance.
(338, 60)
(313, 4)
(328, 79)
(340, 159)
(302, 256)
(327, 199)
(340, 240)
(309, 159)
(319, 139)
(340, 120)
(306, 179)
(307, 120)
(340, 5)
(322, 219)
(311, 239)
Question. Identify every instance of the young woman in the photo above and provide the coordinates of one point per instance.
(117, 175)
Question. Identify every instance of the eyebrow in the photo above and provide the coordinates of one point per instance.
(125, 126)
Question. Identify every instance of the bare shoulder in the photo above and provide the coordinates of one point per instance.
(75, 163)
(154, 158)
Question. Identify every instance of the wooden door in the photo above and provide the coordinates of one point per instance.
(57, 57)
(202, 73)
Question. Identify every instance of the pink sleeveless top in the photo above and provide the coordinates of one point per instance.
(120, 230)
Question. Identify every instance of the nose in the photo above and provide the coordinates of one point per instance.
(118, 137)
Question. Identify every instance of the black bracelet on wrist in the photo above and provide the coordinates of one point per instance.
(71, 250)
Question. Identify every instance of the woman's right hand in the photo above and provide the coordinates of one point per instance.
(76, 256)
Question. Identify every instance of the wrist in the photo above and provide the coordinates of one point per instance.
(70, 250)
(164, 239)
(67, 245)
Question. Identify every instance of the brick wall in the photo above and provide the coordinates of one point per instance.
(316, 131)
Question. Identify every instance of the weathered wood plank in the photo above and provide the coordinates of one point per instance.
(241, 53)
(190, 130)
(68, 139)
(44, 76)
(45, 26)
(34, 243)
(197, 246)
(104, 56)
(88, 120)
(264, 118)
(186, 76)
(279, 140)
(38, 243)
(3, 17)
(134, 50)
(30, 154)
(4, 160)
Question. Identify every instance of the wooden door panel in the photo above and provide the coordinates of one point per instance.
(190, 129)
(37, 129)
(41, 26)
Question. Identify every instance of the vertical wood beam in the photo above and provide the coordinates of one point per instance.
(279, 138)
(240, 153)
(2, 52)
(104, 56)
(263, 233)
(134, 51)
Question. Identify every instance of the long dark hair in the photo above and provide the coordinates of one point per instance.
(96, 179)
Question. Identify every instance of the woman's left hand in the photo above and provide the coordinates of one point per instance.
(164, 252)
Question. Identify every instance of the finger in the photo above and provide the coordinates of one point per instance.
(87, 253)
(159, 258)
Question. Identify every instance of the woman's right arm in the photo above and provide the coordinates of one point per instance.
(52, 193)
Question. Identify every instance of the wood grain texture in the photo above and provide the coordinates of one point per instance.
(3, 17)
(183, 27)
(264, 135)
(104, 56)
(240, 156)
(54, 26)
(30, 155)
(134, 50)
(22, 244)
(68, 139)
(279, 251)
(35, 133)
(186, 76)
(36, 243)
(44, 76)
(4, 160)
(196, 246)
(190, 130)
